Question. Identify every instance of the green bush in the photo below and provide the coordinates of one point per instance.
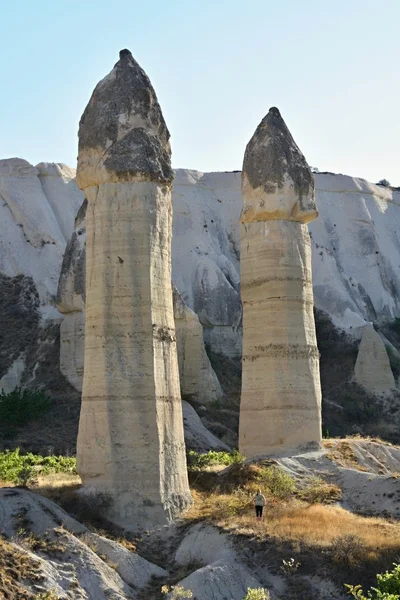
(198, 461)
(388, 587)
(279, 483)
(257, 594)
(20, 468)
(22, 405)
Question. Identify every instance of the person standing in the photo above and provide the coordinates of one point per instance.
(259, 503)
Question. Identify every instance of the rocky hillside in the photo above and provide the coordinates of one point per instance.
(356, 280)
(330, 519)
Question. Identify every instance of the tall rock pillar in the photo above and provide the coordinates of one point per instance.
(130, 441)
(280, 408)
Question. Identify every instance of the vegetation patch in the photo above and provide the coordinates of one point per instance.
(342, 453)
(16, 568)
(22, 405)
(20, 468)
(197, 461)
(299, 517)
(387, 587)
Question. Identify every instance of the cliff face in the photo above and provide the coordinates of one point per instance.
(37, 211)
(355, 249)
(355, 246)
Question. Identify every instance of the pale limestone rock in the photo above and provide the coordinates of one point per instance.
(130, 441)
(372, 369)
(72, 348)
(12, 378)
(197, 436)
(198, 380)
(281, 395)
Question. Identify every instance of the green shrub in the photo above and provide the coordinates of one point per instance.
(22, 405)
(389, 582)
(279, 483)
(319, 491)
(257, 594)
(49, 595)
(176, 592)
(348, 551)
(198, 461)
(21, 468)
(388, 587)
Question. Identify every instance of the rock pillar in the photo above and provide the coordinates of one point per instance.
(372, 369)
(130, 441)
(280, 408)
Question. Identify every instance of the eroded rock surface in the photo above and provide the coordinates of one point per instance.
(281, 395)
(37, 210)
(197, 378)
(372, 369)
(131, 440)
(69, 560)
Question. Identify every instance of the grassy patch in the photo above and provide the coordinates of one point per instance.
(300, 518)
(342, 453)
(197, 461)
(22, 405)
(21, 468)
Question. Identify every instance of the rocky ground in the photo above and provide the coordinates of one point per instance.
(337, 525)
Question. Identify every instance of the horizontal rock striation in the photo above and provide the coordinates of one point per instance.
(280, 407)
(130, 441)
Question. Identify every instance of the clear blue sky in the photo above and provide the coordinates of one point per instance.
(331, 67)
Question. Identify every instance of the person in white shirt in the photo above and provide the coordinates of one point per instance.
(259, 503)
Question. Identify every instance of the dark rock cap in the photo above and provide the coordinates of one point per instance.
(274, 165)
(122, 129)
(272, 153)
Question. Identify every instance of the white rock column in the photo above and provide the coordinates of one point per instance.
(280, 408)
(130, 441)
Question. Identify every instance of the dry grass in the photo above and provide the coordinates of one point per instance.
(342, 453)
(16, 568)
(313, 533)
(45, 544)
(314, 524)
(56, 481)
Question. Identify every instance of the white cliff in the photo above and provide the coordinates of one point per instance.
(355, 249)
(372, 369)
(36, 220)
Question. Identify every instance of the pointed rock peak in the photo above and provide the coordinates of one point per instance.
(122, 132)
(275, 170)
(125, 54)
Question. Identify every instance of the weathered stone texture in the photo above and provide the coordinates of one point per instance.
(281, 395)
(372, 369)
(122, 132)
(276, 180)
(130, 440)
(198, 380)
